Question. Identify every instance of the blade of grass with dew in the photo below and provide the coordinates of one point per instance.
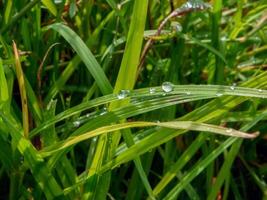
(208, 112)
(179, 94)
(85, 54)
(129, 65)
(226, 167)
(187, 125)
(198, 168)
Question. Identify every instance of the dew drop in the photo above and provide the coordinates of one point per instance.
(167, 87)
(152, 90)
(229, 130)
(219, 94)
(103, 111)
(57, 1)
(188, 93)
(21, 159)
(76, 123)
(233, 86)
(123, 94)
(259, 90)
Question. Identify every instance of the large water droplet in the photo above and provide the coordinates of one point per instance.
(123, 94)
(195, 5)
(167, 87)
(152, 90)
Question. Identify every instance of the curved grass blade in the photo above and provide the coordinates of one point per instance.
(86, 55)
(187, 125)
(140, 97)
(198, 168)
(73, 64)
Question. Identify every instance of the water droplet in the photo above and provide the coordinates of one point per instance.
(167, 87)
(119, 6)
(229, 130)
(57, 1)
(21, 159)
(188, 92)
(76, 123)
(232, 87)
(123, 94)
(219, 94)
(176, 26)
(103, 111)
(259, 90)
(195, 5)
(152, 90)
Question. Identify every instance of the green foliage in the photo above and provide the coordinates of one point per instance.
(133, 99)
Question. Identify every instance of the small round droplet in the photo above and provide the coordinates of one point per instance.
(167, 87)
(76, 123)
(232, 87)
(123, 94)
(219, 94)
(103, 111)
(188, 93)
(229, 130)
(21, 159)
(152, 90)
(259, 90)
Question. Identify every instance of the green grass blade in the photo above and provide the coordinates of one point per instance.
(187, 125)
(3, 84)
(50, 6)
(86, 55)
(36, 163)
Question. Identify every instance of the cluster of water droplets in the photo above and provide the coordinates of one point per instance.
(195, 5)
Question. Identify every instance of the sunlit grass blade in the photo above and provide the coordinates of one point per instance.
(172, 125)
(180, 93)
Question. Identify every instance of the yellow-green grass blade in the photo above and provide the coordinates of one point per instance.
(3, 84)
(22, 90)
(129, 65)
(187, 125)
